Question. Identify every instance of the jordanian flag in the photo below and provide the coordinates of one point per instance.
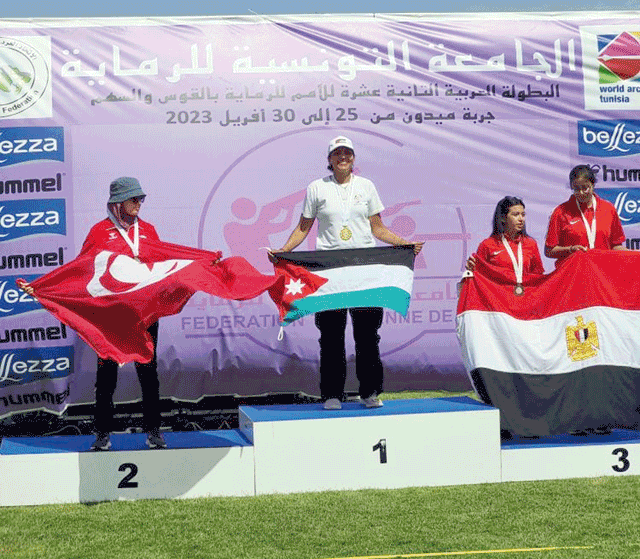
(565, 355)
(361, 277)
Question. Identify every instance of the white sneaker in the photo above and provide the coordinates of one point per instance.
(372, 401)
(333, 404)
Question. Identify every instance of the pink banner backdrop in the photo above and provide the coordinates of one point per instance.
(226, 120)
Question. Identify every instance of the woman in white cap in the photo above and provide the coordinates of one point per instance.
(347, 208)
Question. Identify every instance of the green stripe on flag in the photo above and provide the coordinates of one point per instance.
(392, 298)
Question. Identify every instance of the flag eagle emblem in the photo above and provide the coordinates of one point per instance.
(582, 340)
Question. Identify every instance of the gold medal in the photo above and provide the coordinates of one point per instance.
(345, 233)
(518, 289)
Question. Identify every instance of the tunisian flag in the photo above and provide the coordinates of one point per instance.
(565, 355)
(111, 299)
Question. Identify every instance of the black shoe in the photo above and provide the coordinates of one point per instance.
(102, 442)
(602, 430)
(155, 439)
(505, 435)
(579, 433)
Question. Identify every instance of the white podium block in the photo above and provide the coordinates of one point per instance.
(42, 470)
(166, 474)
(442, 441)
(567, 456)
(37, 479)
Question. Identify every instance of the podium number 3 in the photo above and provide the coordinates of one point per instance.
(622, 458)
(125, 482)
(381, 445)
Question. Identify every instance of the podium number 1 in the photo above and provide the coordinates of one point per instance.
(381, 445)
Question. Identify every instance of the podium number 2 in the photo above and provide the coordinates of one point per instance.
(622, 458)
(381, 445)
(125, 482)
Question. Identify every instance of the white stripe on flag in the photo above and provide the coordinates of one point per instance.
(360, 278)
(500, 342)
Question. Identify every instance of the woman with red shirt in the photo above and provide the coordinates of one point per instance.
(509, 246)
(122, 232)
(585, 221)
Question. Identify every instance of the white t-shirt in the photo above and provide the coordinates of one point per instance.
(335, 206)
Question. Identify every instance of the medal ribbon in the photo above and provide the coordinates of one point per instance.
(133, 245)
(346, 211)
(591, 230)
(518, 264)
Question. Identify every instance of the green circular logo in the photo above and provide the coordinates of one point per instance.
(24, 75)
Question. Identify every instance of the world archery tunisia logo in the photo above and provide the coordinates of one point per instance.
(25, 77)
(619, 57)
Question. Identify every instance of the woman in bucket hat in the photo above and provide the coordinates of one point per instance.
(123, 232)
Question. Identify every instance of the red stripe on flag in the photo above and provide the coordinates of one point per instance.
(585, 279)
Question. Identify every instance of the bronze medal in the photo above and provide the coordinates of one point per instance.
(345, 233)
(518, 289)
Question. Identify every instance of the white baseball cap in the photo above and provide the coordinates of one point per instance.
(340, 142)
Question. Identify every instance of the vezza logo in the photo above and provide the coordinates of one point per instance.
(18, 145)
(21, 366)
(13, 300)
(23, 218)
(608, 138)
(114, 274)
(626, 202)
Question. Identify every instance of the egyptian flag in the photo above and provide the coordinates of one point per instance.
(563, 356)
(360, 277)
(111, 299)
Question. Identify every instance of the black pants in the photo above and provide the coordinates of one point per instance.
(107, 378)
(333, 356)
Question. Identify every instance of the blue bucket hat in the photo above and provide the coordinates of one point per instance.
(123, 189)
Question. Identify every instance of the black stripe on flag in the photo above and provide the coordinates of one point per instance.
(543, 405)
(327, 259)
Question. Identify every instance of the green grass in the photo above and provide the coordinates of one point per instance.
(601, 513)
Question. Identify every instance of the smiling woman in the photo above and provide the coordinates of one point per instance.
(583, 222)
(347, 208)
